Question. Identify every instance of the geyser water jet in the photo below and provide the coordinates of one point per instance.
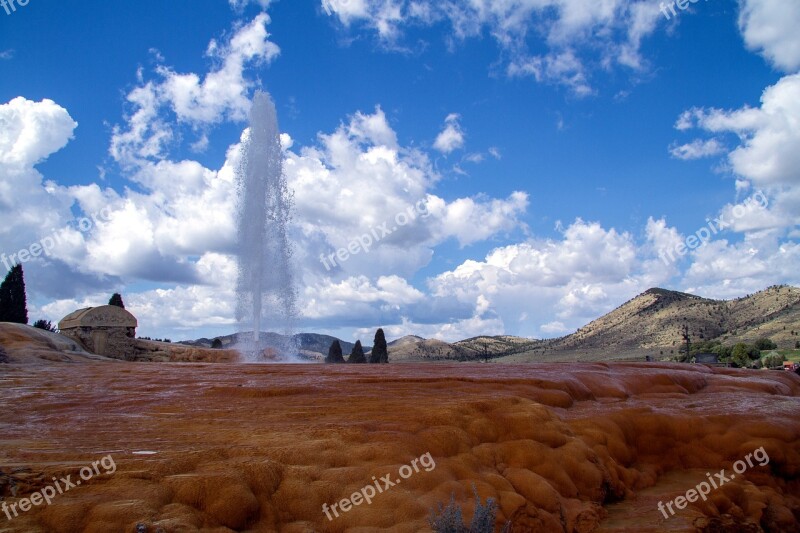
(265, 285)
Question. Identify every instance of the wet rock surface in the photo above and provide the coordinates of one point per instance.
(231, 447)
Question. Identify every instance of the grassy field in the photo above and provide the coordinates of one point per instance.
(790, 355)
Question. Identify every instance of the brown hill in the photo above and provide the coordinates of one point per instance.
(422, 350)
(413, 348)
(653, 322)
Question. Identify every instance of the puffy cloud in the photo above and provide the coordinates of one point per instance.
(222, 94)
(452, 136)
(770, 27)
(35, 213)
(590, 270)
(223, 91)
(470, 220)
(766, 156)
(770, 134)
(354, 296)
(726, 270)
(357, 179)
(30, 131)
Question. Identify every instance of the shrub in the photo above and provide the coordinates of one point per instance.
(764, 344)
(773, 360)
(450, 519)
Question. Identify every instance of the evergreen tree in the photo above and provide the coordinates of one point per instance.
(44, 324)
(380, 353)
(357, 355)
(116, 299)
(335, 353)
(13, 304)
(216, 344)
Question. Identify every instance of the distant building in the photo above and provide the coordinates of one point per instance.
(106, 330)
(706, 359)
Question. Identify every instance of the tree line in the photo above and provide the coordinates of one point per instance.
(379, 354)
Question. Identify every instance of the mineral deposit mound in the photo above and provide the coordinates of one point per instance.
(201, 447)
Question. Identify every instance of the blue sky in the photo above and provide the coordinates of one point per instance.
(560, 147)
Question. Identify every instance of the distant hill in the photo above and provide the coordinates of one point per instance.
(413, 348)
(653, 322)
(405, 341)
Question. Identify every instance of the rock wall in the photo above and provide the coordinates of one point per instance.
(114, 342)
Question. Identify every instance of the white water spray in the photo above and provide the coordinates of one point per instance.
(265, 287)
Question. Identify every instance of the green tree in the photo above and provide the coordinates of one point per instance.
(380, 352)
(116, 299)
(44, 324)
(740, 355)
(335, 353)
(13, 303)
(765, 344)
(357, 355)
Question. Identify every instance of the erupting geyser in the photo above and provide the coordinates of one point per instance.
(265, 286)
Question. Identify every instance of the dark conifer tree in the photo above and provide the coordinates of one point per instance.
(357, 355)
(116, 299)
(380, 352)
(335, 353)
(13, 303)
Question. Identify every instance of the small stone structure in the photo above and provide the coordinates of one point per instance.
(106, 330)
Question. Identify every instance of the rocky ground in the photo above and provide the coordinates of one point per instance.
(233, 447)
